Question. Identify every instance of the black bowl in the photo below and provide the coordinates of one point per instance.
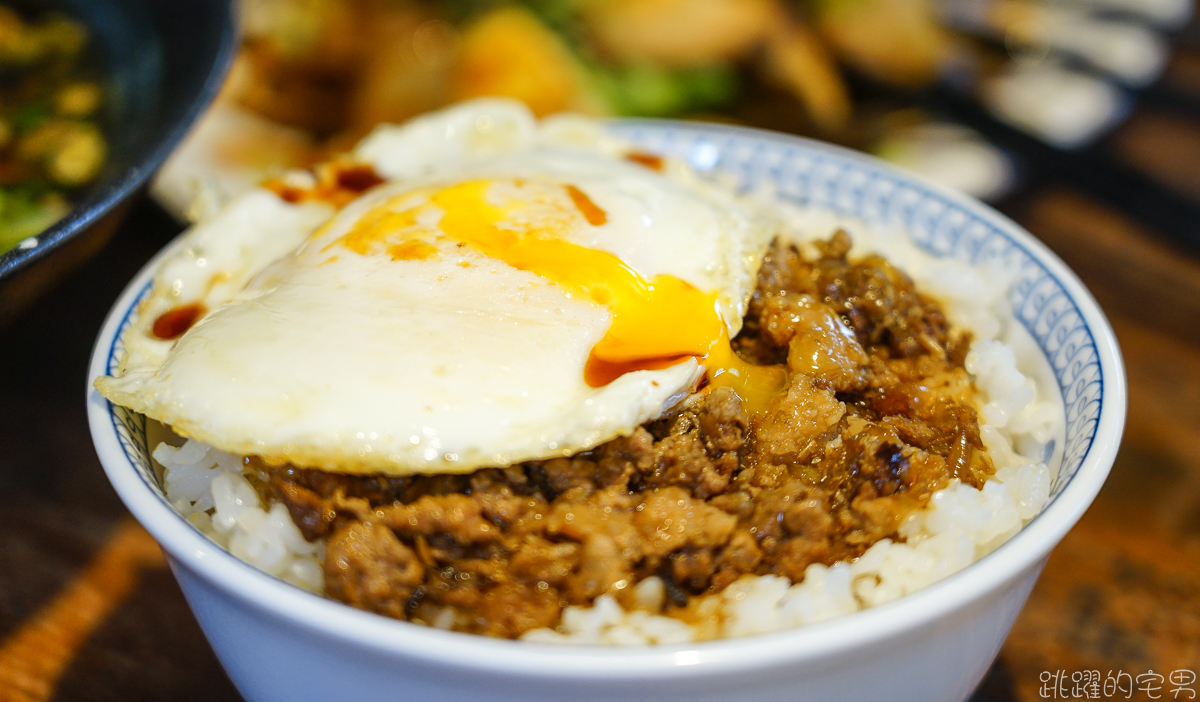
(162, 63)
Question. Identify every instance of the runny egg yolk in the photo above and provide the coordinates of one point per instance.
(655, 324)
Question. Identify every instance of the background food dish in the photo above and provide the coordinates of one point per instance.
(163, 63)
(990, 96)
(51, 106)
(985, 597)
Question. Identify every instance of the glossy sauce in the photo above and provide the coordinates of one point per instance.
(593, 214)
(651, 161)
(174, 322)
(337, 183)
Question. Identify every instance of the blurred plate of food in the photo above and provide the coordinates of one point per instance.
(93, 97)
(313, 76)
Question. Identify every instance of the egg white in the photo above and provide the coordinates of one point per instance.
(321, 357)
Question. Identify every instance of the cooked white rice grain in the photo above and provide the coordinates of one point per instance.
(208, 487)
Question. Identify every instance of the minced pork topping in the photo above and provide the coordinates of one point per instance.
(876, 416)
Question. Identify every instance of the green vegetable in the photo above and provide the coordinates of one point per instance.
(555, 13)
(653, 91)
(30, 115)
(50, 143)
(26, 210)
(644, 89)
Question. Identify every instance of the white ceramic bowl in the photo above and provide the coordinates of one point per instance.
(278, 642)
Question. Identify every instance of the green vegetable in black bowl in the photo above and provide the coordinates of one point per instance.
(119, 82)
(51, 102)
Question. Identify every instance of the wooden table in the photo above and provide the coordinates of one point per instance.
(88, 610)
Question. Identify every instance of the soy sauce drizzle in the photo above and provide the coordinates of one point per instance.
(174, 322)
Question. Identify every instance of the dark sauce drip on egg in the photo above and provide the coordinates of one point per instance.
(597, 372)
(337, 183)
(174, 322)
(358, 178)
(651, 161)
(590, 210)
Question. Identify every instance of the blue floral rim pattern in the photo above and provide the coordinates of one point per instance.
(129, 425)
(852, 186)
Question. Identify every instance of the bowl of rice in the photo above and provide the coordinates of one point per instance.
(917, 612)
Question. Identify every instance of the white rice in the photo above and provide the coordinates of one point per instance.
(211, 490)
(1018, 419)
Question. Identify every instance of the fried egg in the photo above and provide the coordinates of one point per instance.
(513, 291)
